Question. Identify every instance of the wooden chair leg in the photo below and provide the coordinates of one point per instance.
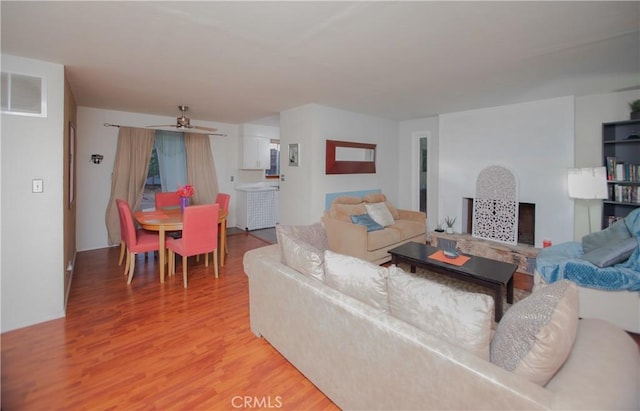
(206, 260)
(127, 264)
(132, 264)
(215, 261)
(184, 270)
(123, 248)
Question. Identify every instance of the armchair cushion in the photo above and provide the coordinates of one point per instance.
(613, 253)
(614, 233)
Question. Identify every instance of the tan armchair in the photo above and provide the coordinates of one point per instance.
(346, 237)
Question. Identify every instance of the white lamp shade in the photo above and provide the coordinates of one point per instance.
(588, 183)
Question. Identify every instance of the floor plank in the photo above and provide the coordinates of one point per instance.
(152, 345)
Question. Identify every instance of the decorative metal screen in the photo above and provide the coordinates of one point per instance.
(495, 207)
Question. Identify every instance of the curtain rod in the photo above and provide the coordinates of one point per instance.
(179, 131)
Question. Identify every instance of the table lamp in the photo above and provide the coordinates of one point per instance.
(588, 183)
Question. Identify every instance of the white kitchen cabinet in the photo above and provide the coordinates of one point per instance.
(256, 153)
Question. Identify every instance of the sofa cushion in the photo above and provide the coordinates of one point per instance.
(345, 211)
(381, 198)
(613, 253)
(302, 248)
(380, 214)
(357, 278)
(458, 317)
(383, 238)
(409, 228)
(615, 232)
(367, 221)
(535, 336)
(312, 234)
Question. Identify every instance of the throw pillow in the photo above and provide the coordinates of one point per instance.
(615, 232)
(381, 198)
(357, 278)
(380, 214)
(459, 317)
(302, 256)
(612, 253)
(367, 221)
(535, 336)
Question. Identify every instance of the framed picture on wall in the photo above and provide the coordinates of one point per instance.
(294, 155)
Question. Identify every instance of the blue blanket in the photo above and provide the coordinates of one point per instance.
(563, 261)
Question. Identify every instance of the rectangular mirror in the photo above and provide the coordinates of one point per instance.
(346, 157)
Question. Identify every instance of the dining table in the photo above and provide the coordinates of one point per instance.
(170, 219)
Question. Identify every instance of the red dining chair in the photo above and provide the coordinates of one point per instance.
(199, 236)
(167, 199)
(137, 241)
(223, 199)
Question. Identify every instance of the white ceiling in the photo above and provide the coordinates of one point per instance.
(236, 62)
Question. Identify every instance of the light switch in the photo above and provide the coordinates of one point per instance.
(37, 186)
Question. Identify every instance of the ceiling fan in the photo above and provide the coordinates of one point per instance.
(183, 122)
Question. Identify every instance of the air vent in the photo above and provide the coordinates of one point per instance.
(23, 95)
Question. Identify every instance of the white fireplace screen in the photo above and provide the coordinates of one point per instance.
(495, 207)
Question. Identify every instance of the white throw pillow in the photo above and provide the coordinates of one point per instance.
(459, 317)
(534, 338)
(380, 214)
(357, 278)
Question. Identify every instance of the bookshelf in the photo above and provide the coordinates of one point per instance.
(621, 151)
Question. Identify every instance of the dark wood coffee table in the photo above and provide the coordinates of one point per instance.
(492, 274)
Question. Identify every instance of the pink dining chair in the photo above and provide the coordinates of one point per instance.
(123, 246)
(167, 199)
(223, 199)
(199, 236)
(137, 241)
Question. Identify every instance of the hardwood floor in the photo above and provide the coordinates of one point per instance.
(152, 345)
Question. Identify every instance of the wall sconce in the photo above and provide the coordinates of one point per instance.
(96, 158)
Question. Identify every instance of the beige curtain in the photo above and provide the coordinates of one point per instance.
(201, 171)
(130, 169)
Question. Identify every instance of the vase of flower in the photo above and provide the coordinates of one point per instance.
(184, 202)
(185, 193)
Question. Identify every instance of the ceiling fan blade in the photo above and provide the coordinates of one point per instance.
(205, 128)
(163, 125)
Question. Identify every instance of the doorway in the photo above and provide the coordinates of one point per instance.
(423, 159)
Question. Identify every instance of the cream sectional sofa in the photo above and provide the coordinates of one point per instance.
(313, 307)
(346, 237)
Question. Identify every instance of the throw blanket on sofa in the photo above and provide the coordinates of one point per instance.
(563, 261)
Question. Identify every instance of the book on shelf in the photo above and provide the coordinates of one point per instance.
(621, 171)
(624, 193)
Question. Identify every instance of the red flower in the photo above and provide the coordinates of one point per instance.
(186, 191)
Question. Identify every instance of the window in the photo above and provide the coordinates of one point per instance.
(274, 170)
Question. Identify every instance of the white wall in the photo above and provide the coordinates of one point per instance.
(534, 140)
(94, 180)
(32, 275)
(591, 112)
(302, 193)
